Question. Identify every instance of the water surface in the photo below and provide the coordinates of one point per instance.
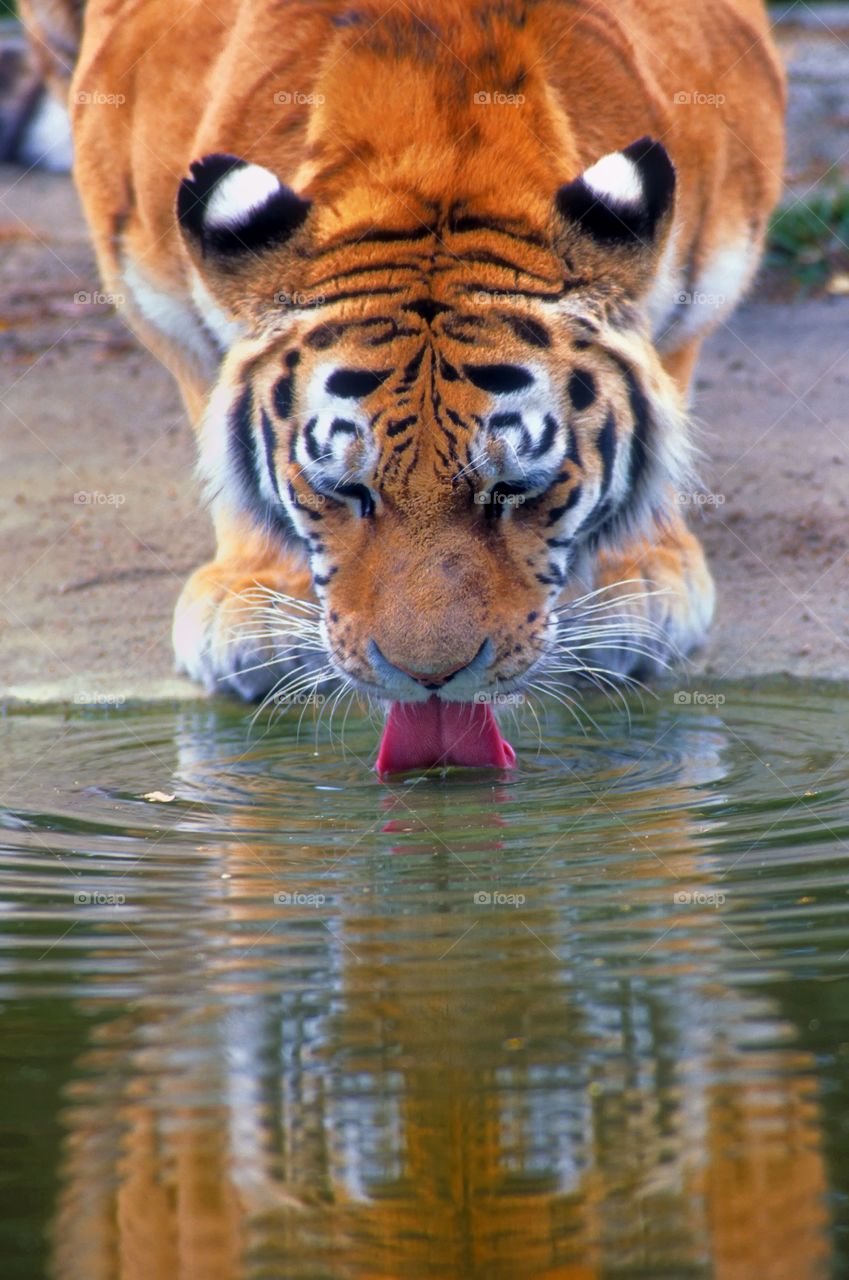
(590, 1020)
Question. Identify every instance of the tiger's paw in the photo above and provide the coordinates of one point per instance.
(652, 605)
(243, 633)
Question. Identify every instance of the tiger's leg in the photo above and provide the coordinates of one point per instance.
(228, 632)
(666, 577)
(670, 600)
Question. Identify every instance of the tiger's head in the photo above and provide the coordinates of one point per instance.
(449, 412)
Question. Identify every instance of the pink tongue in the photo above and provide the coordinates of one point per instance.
(419, 735)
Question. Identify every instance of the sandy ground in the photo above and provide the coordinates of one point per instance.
(99, 510)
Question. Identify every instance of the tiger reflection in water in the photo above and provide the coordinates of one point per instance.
(433, 1092)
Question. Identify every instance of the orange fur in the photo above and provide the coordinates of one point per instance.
(453, 123)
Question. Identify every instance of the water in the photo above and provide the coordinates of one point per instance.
(592, 1021)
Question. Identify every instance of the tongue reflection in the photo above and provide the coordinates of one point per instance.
(419, 735)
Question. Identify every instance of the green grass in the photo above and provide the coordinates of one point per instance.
(810, 238)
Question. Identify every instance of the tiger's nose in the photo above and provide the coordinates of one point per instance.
(436, 678)
(433, 679)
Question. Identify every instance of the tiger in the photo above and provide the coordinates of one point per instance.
(433, 278)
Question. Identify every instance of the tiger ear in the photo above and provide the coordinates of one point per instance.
(619, 211)
(231, 213)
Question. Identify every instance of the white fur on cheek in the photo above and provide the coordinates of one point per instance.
(616, 179)
(223, 327)
(170, 315)
(240, 194)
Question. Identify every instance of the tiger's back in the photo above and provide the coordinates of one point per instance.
(442, 103)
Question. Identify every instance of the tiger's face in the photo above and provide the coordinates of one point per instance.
(447, 418)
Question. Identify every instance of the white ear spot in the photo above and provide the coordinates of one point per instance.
(616, 180)
(239, 195)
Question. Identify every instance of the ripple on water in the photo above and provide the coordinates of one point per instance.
(593, 1013)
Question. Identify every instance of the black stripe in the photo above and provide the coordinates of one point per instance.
(411, 370)
(269, 438)
(582, 389)
(310, 442)
(548, 436)
(530, 331)
(245, 456)
(498, 379)
(284, 394)
(504, 421)
(243, 442)
(483, 258)
(641, 414)
(400, 424)
(426, 309)
(638, 462)
(606, 445)
(476, 286)
(462, 225)
(354, 384)
(345, 295)
(376, 236)
(341, 426)
(557, 513)
(364, 269)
